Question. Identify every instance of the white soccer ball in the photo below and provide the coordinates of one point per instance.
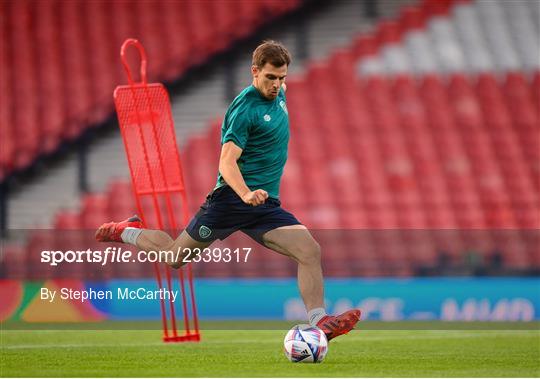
(305, 343)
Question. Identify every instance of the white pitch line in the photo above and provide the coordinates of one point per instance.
(164, 344)
(53, 346)
(360, 338)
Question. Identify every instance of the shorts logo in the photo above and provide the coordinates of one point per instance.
(267, 117)
(204, 231)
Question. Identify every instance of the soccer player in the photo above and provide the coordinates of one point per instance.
(254, 139)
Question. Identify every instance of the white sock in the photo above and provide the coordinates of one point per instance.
(315, 315)
(130, 235)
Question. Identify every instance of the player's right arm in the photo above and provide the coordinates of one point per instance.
(228, 167)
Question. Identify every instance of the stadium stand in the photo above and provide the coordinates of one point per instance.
(416, 147)
(56, 53)
(455, 37)
(203, 95)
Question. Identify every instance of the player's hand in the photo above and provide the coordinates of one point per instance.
(255, 198)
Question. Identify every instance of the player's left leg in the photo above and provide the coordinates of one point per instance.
(296, 241)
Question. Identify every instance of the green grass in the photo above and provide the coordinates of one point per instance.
(385, 350)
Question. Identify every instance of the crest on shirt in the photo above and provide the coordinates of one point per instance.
(283, 106)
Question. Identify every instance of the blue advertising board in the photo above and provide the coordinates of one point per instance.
(451, 299)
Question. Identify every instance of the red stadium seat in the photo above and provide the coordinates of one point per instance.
(392, 156)
(67, 220)
(14, 262)
(93, 211)
(66, 60)
(120, 201)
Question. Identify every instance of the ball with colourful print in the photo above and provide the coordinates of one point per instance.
(305, 343)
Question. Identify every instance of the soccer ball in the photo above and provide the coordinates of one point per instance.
(305, 343)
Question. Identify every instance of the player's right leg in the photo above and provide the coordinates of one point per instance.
(130, 231)
(296, 242)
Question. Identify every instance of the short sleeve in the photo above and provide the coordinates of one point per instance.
(237, 124)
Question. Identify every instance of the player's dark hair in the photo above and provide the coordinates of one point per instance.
(271, 52)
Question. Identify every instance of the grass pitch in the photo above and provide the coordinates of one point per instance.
(382, 350)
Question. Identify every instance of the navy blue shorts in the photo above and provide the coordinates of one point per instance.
(223, 213)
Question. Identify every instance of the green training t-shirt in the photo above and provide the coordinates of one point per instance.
(260, 127)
